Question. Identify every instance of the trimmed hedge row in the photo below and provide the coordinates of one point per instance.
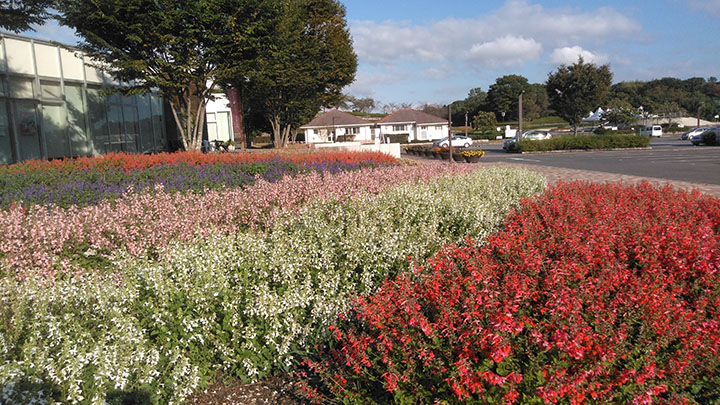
(581, 142)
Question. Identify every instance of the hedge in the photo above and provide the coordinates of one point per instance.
(581, 142)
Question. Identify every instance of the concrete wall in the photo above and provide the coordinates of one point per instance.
(392, 149)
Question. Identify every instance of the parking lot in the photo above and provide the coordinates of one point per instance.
(670, 158)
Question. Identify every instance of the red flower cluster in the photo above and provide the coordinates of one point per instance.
(591, 292)
(130, 161)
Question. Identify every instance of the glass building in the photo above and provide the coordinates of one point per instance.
(52, 106)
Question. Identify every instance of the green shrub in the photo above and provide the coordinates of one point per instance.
(247, 304)
(581, 142)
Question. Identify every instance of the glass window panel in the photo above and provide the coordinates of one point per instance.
(117, 139)
(20, 58)
(146, 129)
(157, 119)
(3, 86)
(26, 128)
(212, 131)
(48, 62)
(21, 87)
(128, 100)
(50, 90)
(79, 139)
(6, 153)
(97, 117)
(223, 123)
(54, 126)
(3, 61)
(132, 131)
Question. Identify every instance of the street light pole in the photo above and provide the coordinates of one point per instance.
(450, 132)
(520, 115)
(466, 130)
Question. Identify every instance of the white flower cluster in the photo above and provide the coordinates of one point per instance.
(246, 303)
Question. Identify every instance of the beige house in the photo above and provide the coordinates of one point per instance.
(338, 126)
(413, 124)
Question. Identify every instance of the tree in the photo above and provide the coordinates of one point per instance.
(435, 109)
(576, 89)
(503, 95)
(303, 65)
(18, 15)
(365, 105)
(485, 122)
(180, 47)
(619, 112)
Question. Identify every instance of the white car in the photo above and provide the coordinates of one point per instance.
(532, 135)
(652, 130)
(689, 134)
(458, 141)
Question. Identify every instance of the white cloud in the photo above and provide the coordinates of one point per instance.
(569, 55)
(505, 51)
(710, 6)
(450, 40)
(52, 31)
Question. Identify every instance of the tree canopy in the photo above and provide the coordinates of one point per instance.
(576, 89)
(18, 15)
(303, 65)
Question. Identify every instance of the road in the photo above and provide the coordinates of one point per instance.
(670, 158)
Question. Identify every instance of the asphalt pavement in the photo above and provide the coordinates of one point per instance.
(670, 159)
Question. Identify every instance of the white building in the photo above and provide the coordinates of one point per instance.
(413, 125)
(338, 126)
(218, 119)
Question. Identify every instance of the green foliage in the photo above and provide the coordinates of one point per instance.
(303, 64)
(503, 95)
(576, 89)
(609, 141)
(485, 122)
(181, 47)
(18, 15)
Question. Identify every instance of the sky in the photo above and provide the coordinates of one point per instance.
(432, 51)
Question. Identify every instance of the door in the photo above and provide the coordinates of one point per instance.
(26, 127)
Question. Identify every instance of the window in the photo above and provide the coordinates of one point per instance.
(352, 131)
(438, 127)
(398, 128)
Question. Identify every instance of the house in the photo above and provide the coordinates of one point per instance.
(338, 126)
(409, 125)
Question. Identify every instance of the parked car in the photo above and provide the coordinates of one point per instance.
(532, 135)
(697, 139)
(689, 134)
(651, 130)
(458, 141)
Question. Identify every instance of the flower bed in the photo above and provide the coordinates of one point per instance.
(87, 181)
(597, 293)
(246, 302)
(48, 240)
(581, 142)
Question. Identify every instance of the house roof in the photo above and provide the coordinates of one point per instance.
(336, 118)
(410, 115)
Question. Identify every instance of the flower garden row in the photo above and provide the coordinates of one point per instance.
(590, 293)
(158, 292)
(87, 181)
(468, 155)
(585, 293)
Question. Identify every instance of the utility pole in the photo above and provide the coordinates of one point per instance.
(450, 132)
(699, 108)
(520, 116)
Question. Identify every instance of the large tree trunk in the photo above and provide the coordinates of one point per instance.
(280, 134)
(189, 113)
(238, 117)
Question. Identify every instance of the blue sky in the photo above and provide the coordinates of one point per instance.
(430, 51)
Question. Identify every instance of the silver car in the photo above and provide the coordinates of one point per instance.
(532, 135)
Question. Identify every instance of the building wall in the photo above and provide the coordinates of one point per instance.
(52, 106)
(320, 135)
